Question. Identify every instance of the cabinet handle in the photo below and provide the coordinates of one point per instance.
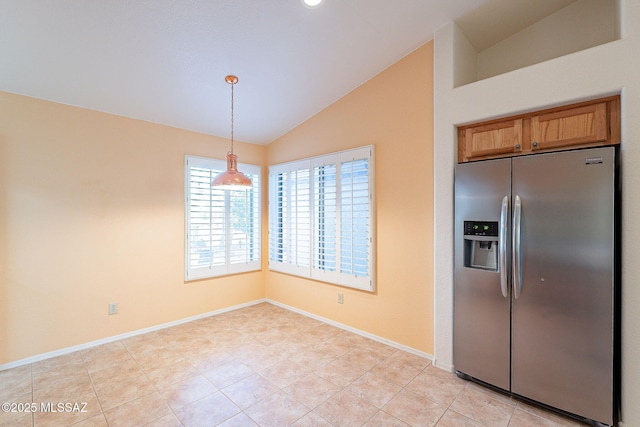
(517, 147)
(534, 145)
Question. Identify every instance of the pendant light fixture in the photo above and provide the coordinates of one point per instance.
(232, 178)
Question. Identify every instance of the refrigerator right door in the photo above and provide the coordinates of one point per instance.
(563, 289)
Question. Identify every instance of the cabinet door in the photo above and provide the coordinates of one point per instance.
(566, 128)
(490, 140)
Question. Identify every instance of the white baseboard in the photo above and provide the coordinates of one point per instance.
(444, 366)
(95, 343)
(354, 330)
(67, 350)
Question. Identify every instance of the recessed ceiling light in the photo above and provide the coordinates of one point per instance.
(312, 3)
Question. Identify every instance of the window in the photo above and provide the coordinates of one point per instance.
(321, 218)
(222, 227)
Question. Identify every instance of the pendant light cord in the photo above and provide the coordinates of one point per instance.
(232, 85)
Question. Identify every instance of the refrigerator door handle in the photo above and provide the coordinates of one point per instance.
(502, 247)
(516, 247)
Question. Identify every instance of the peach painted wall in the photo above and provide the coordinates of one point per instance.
(92, 212)
(394, 112)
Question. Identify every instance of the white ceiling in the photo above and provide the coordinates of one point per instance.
(164, 61)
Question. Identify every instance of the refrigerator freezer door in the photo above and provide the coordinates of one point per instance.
(481, 312)
(562, 321)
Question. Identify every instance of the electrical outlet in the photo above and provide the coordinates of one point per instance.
(340, 298)
(113, 308)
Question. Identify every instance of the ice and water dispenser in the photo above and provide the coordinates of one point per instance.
(481, 245)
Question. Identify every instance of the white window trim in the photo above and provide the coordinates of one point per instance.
(196, 273)
(367, 283)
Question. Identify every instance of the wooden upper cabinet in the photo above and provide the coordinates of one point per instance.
(576, 126)
(495, 139)
(590, 124)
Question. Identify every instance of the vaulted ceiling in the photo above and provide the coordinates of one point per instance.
(164, 61)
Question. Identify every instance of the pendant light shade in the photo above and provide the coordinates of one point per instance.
(232, 178)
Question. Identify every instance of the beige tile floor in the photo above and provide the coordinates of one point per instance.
(258, 366)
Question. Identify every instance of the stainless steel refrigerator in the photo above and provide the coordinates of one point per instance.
(536, 279)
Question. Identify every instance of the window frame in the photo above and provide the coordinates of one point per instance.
(228, 267)
(309, 269)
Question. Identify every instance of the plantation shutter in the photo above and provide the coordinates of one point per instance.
(325, 224)
(290, 221)
(222, 227)
(300, 217)
(321, 218)
(244, 224)
(278, 213)
(355, 225)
